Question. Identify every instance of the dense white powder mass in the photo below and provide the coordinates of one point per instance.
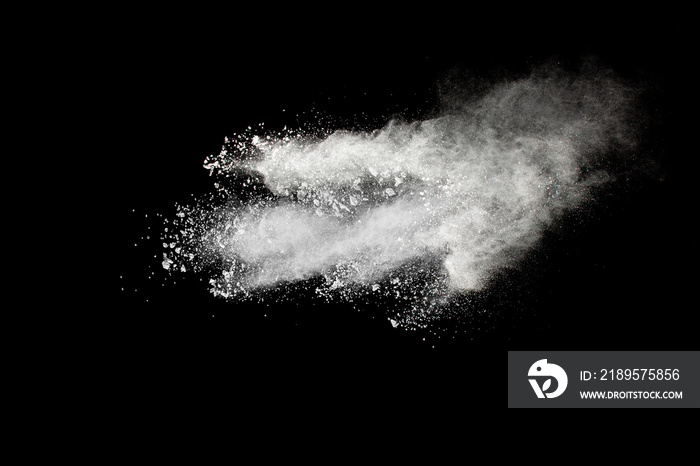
(469, 190)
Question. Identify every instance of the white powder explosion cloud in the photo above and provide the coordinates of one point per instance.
(422, 210)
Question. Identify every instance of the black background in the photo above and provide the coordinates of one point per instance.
(166, 93)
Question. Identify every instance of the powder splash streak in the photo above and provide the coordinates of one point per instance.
(420, 211)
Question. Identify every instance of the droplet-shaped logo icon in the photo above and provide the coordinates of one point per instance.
(546, 372)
